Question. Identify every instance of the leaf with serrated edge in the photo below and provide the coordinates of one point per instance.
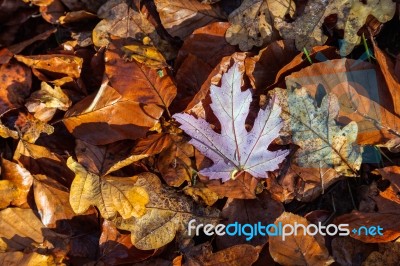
(235, 149)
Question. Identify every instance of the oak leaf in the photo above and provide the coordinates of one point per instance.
(111, 195)
(307, 29)
(235, 149)
(323, 144)
(253, 22)
(167, 214)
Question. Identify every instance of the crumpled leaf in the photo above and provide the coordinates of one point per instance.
(44, 102)
(235, 149)
(181, 18)
(89, 119)
(67, 65)
(111, 195)
(351, 16)
(122, 20)
(30, 128)
(253, 22)
(298, 249)
(167, 214)
(145, 54)
(323, 144)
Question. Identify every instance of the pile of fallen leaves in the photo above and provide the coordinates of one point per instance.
(123, 120)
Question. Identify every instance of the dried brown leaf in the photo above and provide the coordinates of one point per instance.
(167, 214)
(300, 249)
(187, 16)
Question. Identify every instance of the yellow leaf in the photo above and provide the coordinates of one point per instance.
(111, 195)
(146, 54)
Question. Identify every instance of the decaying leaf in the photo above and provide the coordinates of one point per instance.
(201, 192)
(349, 251)
(44, 102)
(351, 16)
(30, 127)
(122, 20)
(111, 195)
(253, 22)
(300, 249)
(323, 144)
(235, 149)
(167, 214)
(181, 18)
(362, 94)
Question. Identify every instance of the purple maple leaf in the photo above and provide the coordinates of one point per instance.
(235, 149)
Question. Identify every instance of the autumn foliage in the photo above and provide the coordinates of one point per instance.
(123, 120)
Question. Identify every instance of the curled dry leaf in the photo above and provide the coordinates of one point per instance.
(253, 22)
(181, 18)
(235, 150)
(362, 94)
(388, 254)
(90, 120)
(44, 102)
(145, 54)
(300, 249)
(30, 128)
(167, 214)
(63, 65)
(352, 15)
(111, 195)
